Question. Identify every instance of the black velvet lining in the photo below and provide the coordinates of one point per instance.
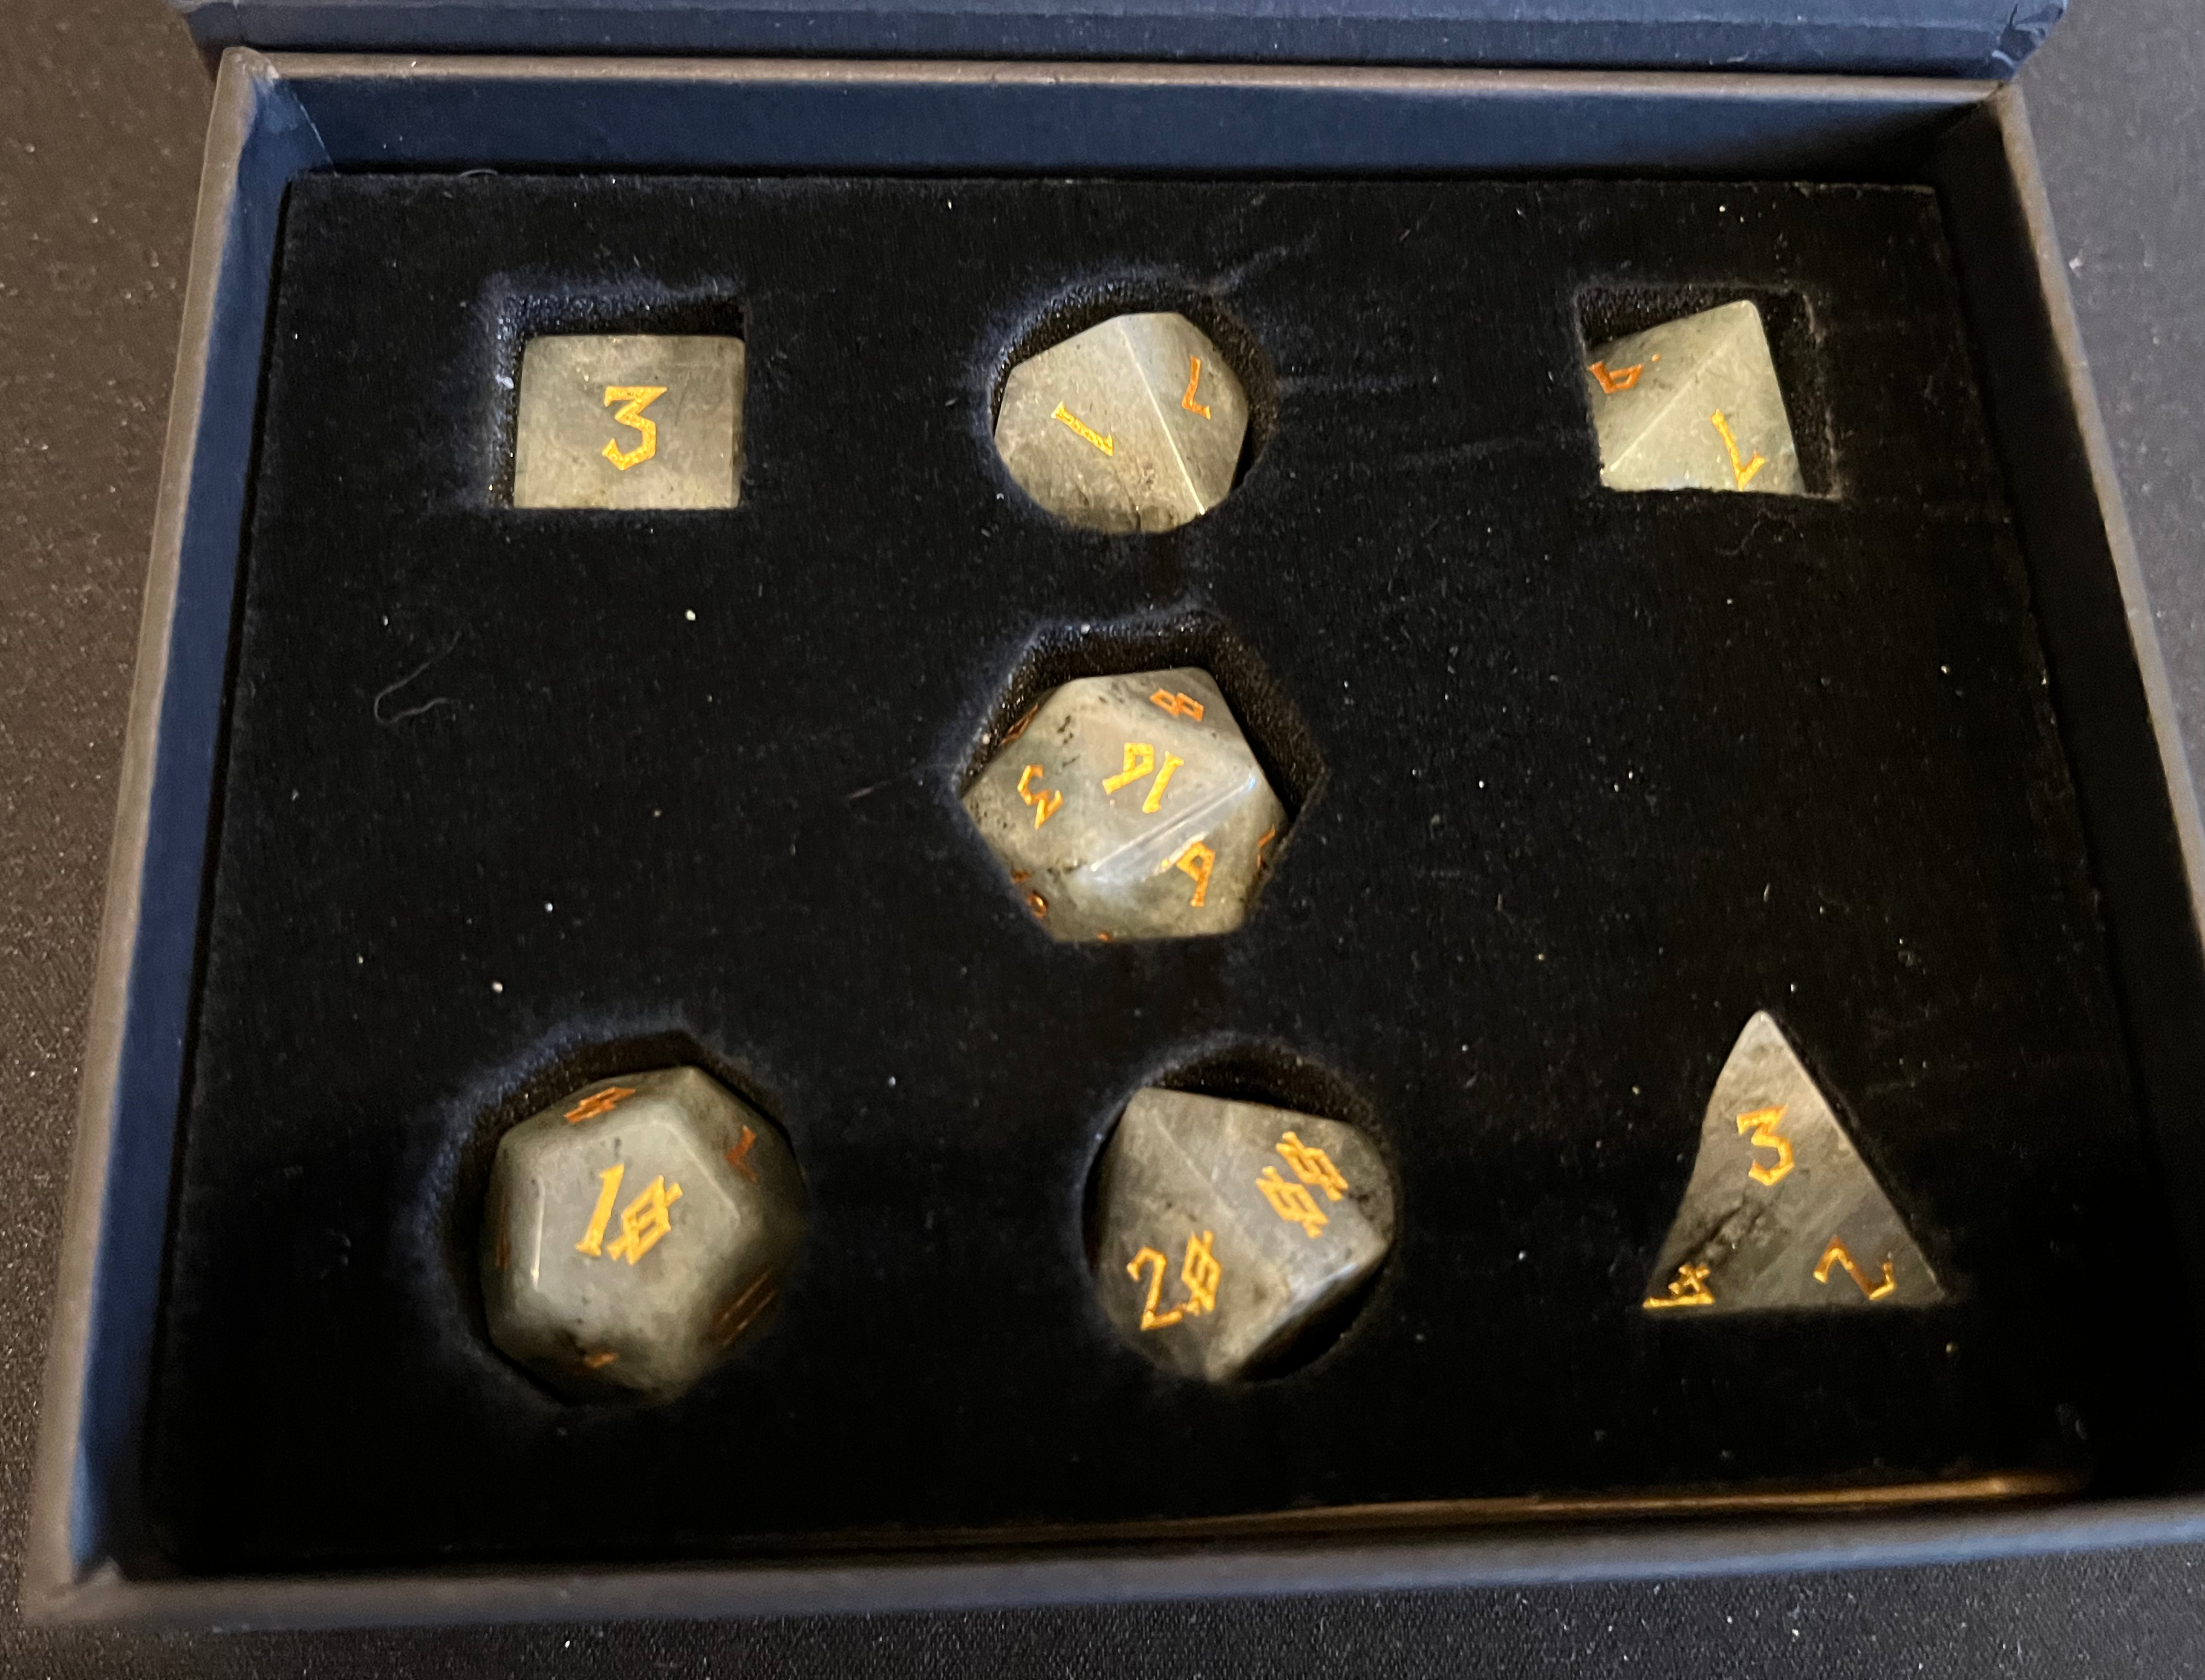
(514, 797)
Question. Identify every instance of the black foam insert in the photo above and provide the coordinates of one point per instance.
(514, 797)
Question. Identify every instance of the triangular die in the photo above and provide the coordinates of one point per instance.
(1782, 1214)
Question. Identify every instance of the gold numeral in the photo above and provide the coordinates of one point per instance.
(1292, 1202)
(1194, 378)
(1195, 862)
(739, 1157)
(1179, 705)
(599, 1103)
(608, 1190)
(1689, 1288)
(1835, 1254)
(633, 400)
(1312, 1166)
(1761, 1122)
(1741, 469)
(1614, 379)
(1043, 801)
(1200, 1272)
(1155, 799)
(644, 1221)
(1140, 760)
(1106, 445)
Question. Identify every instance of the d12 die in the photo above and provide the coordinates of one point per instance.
(1130, 807)
(1693, 404)
(1135, 425)
(1228, 1228)
(635, 1231)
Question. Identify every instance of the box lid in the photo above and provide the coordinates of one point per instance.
(1950, 37)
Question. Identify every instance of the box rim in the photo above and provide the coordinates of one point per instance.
(257, 95)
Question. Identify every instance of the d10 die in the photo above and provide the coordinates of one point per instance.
(1693, 404)
(1228, 1228)
(1135, 425)
(636, 1230)
(629, 420)
(1130, 808)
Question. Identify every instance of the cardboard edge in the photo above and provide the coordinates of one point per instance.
(1156, 1574)
(2012, 113)
(68, 1522)
(1983, 37)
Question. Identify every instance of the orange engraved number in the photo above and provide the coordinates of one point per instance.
(1741, 469)
(632, 399)
(1043, 801)
(608, 1184)
(1106, 445)
(1312, 1166)
(1195, 862)
(644, 1221)
(1140, 760)
(1194, 378)
(739, 1157)
(1179, 705)
(1689, 1288)
(1199, 1273)
(1761, 1122)
(1613, 380)
(599, 1102)
(1292, 1202)
(1835, 1254)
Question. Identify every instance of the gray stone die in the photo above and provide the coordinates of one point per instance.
(635, 1232)
(629, 420)
(1130, 807)
(1135, 425)
(1782, 1214)
(1227, 1228)
(1693, 404)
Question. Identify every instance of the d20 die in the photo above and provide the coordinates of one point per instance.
(635, 1231)
(629, 420)
(1135, 425)
(1130, 807)
(1693, 404)
(1228, 1228)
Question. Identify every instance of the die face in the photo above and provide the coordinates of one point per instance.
(1135, 425)
(635, 1232)
(1130, 807)
(629, 420)
(1693, 404)
(1781, 1213)
(1227, 1228)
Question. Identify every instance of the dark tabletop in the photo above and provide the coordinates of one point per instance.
(102, 105)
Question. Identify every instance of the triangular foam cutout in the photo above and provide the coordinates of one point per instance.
(1782, 1214)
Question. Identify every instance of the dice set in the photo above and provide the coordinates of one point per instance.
(637, 1231)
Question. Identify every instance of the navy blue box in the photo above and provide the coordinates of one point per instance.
(1941, 38)
(277, 116)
